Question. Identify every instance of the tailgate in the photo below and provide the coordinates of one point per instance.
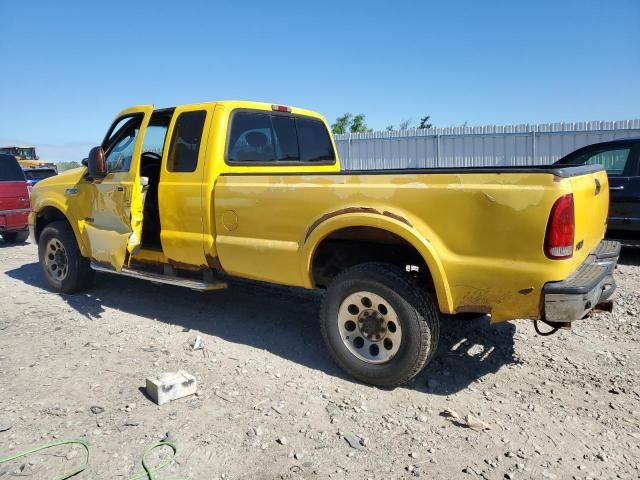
(591, 203)
(14, 195)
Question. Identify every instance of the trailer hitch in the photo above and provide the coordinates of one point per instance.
(555, 326)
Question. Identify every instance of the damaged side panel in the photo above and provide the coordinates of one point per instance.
(112, 229)
(486, 229)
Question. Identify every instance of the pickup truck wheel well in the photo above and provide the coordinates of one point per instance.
(352, 246)
(47, 216)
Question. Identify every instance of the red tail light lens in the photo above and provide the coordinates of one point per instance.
(558, 242)
(280, 108)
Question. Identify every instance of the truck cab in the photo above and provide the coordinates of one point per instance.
(147, 196)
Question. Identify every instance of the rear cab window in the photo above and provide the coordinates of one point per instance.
(269, 138)
(10, 170)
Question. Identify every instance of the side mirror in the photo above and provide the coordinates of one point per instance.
(97, 163)
(85, 162)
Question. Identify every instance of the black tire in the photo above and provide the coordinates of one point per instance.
(79, 275)
(16, 237)
(416, 312)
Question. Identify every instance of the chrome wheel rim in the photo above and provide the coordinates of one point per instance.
(56, 260)
(369, 327)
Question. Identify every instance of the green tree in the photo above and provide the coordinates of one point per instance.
(390, 128)
(62, 166)
(424, 122)
(342, 123)
(359, 124)
(349, 122)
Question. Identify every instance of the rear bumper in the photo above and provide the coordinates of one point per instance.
(591, 284)
(12, 220)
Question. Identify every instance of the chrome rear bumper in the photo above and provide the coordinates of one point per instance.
(591, 284)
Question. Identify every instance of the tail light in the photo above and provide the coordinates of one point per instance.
(558, 242)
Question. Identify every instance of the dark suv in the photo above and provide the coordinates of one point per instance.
(621, 159)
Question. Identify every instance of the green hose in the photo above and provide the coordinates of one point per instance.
(148, 474)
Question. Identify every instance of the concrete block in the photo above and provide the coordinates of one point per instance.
(171, 386)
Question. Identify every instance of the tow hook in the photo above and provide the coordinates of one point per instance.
(555, 326)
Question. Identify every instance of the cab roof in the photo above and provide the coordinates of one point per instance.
(248, 104)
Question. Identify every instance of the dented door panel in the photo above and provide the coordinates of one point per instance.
(113, 227)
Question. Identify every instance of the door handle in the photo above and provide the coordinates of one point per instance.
(120, 189)
(619, 187)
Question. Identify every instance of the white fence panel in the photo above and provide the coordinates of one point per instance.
(476, 146)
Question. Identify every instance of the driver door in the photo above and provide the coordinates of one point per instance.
(114, 227)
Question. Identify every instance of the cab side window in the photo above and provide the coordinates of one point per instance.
(614, 161)
(185, 142)
(121, 142)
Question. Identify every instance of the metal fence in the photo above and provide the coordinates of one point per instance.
(476, 146)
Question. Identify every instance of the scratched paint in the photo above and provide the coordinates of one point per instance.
(487, 232)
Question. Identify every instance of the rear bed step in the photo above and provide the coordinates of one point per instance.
(607, 249)
(167, 279)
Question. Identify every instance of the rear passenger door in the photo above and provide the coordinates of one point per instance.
(626, 191)
(180, 193)
(620, 164)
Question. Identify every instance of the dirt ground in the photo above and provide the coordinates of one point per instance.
(271, 404)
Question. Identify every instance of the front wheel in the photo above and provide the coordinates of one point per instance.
(16, 237)
(379, 325)
(64, 268)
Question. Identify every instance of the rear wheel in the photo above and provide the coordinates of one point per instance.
(379, 324)
(16, 237)
(64, 268)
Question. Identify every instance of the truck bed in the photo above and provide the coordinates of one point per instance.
(484, 227)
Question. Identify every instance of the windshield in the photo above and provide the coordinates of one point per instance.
(22, 153)
(39, 174)
(27, 153)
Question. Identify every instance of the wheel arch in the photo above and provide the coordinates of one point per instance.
(53, 213)
(326, 230)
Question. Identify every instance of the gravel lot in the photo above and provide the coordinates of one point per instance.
(272, 405)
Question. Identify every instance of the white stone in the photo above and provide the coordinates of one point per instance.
(171, 386)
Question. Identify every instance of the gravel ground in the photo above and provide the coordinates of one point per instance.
(271, 404)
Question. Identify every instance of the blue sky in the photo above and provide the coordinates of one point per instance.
(70, 66)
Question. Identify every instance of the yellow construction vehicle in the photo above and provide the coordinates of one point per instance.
(27, 157)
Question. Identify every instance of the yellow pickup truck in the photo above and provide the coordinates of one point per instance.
(197, 194)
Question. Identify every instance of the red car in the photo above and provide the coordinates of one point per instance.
(14, 201)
